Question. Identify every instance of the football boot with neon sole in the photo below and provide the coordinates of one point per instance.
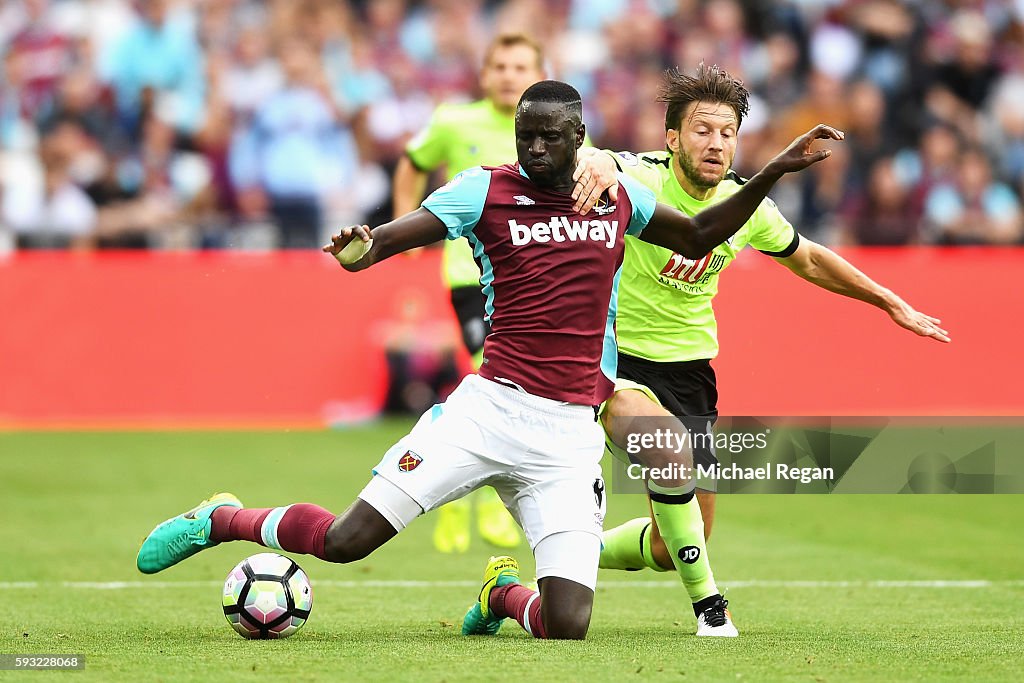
(480, 620)
(182, 536)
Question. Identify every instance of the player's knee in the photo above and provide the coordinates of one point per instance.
(566, 613)
(346, 542)
(568, 624)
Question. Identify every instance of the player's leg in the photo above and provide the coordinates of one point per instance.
(708, 502)
(637, 543)
(557, 493)
(424, 469)
(376, 517)
(654, 551)
(677, 520)
(561, 609)
(381, 511)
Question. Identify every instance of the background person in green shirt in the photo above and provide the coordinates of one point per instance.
(460, 136)
(666, 329)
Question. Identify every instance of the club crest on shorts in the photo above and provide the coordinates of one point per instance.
(409, 461)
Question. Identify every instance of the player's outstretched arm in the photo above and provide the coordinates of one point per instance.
(357, 247)
(822, 266)
(694, 238)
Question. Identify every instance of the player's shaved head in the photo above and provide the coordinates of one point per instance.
(710, 84)
(549, 130)
(554, 92)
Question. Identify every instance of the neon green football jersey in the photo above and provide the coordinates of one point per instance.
(665, 311)
(460, 136)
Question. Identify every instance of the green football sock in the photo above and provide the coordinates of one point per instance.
(628, 546)
(682, 528)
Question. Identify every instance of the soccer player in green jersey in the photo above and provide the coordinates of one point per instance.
(460, 136)
(666, 327)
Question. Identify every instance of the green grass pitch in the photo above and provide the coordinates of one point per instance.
(803, 572)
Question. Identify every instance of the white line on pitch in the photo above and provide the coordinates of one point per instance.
(371, 583)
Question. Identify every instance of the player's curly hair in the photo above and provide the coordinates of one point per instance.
(709, 84)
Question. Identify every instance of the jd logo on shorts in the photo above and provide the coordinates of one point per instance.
(409, 461)
(689, 554)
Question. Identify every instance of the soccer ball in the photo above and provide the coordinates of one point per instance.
(267, 596)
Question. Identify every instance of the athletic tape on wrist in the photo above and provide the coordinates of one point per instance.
(353, 251)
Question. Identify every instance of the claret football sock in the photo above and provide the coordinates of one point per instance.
(226, 524)
(520, 603)
(299, 528)
(682, 528)
(628, 547)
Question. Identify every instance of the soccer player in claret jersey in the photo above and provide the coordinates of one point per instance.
(666, 328)
(462, 136)
(526, 424)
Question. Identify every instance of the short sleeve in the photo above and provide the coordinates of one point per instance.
(771, 233)
(428, 149)
(460, 202)
(643, 202)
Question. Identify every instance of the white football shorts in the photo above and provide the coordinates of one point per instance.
(542, 456)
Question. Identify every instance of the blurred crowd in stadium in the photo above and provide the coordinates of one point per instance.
(240, 123)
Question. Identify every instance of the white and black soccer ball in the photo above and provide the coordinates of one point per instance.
(267, 596)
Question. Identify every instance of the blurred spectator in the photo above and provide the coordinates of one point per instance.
(975, 209)
(293, 151)
(157, 57)
(970, 72)
(882, 214)
(1004, 129)
(935, 163)
(53, 212)
(43, 53)
(867, 137)
(203, 121)
(963, 78)
(79, 98)
(249, 75)
(775, 70)
(824, 100)
(16, 131)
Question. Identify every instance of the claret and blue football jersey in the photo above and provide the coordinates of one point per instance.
(549, 276)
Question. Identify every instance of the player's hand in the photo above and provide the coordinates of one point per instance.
(905, 316)
(594, 175)
(799, 156)
(345, 236)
